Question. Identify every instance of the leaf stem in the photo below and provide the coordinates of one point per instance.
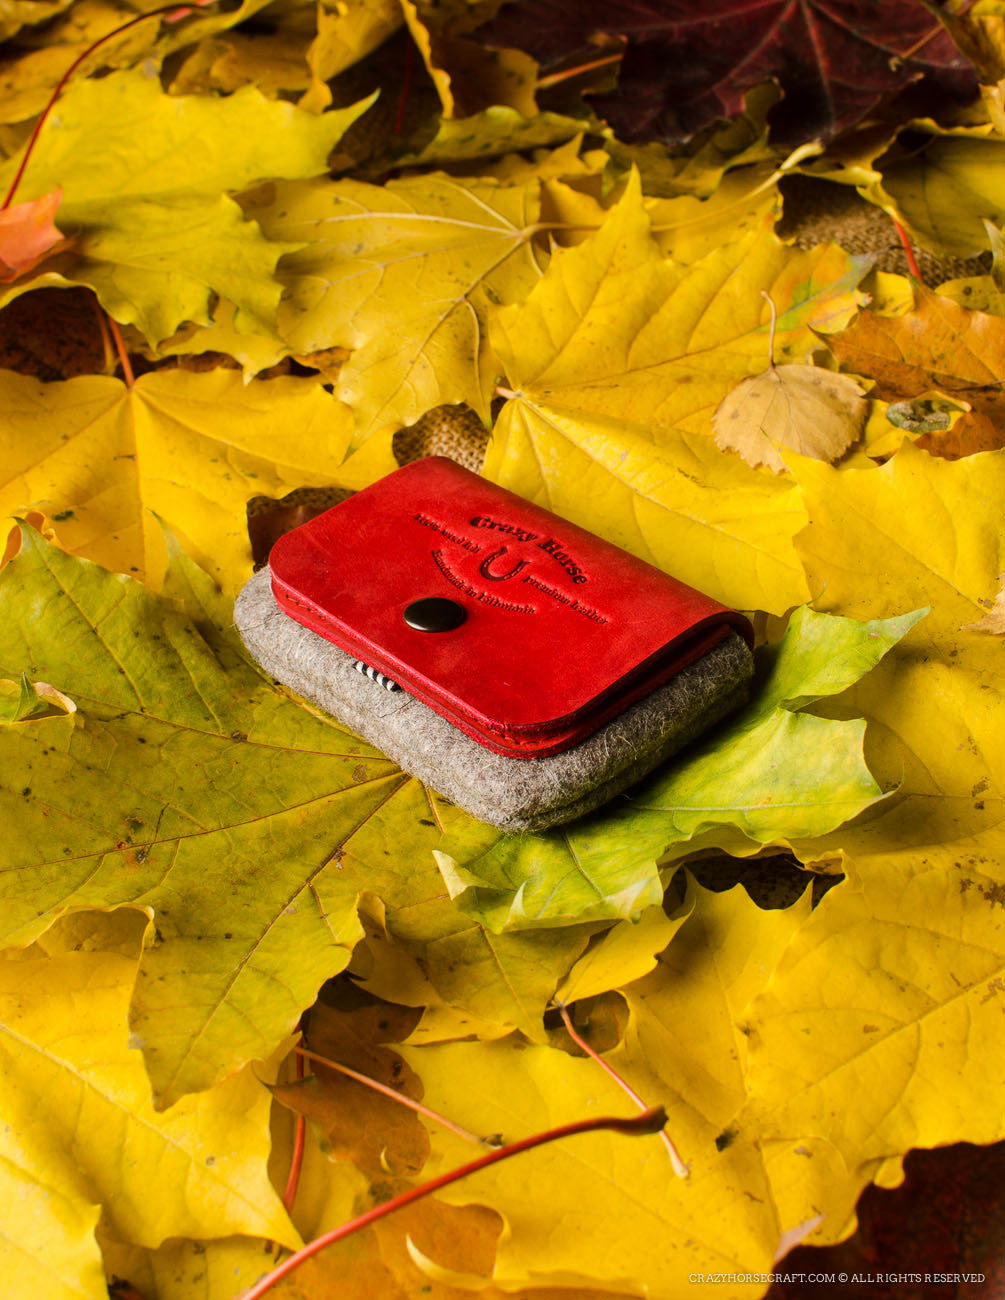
(406, 86)
(297, 1159)
(400, 1097)
(912, 261)
(173, 13)
(679, 1167)
(556, 78)
(120, 348)
(638, 1126)
(771, 336)
(106, 338)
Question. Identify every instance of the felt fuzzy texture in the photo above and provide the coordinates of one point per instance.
(514, 794)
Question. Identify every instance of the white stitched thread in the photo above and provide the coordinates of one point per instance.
(375, 676)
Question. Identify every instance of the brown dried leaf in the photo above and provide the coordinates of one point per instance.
(973, 432)
(379, 1135)
(939, 345)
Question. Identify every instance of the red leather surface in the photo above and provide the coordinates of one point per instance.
(563, 629)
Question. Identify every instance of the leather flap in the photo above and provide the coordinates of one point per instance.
(524, 630)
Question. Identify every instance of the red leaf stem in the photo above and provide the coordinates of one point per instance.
(393, 1093)
(556, 78)
(297, 1159)
(106, 337)
(120, 348)
(173, 13)
(649, 1122)
(902, 235)
(679, 1167)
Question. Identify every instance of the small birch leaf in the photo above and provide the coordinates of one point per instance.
(993, 621)
(803, 408)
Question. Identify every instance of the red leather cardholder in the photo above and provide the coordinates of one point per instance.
(523, 630)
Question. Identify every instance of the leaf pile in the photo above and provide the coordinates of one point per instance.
(244, 252)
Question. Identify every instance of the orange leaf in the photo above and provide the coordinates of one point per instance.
(939, 345)
(28, 234)
(379, 1135)
(973, 432)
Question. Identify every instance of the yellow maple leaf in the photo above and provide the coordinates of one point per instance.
(699, 167)
(918, 530)
(272, 60)
(687, 227)
(389, 970)
(626, 952)
(28, 80)
(500, 130)
(103, 460)
(48, 1246)
(926, 530)
(404, 275)
(183, 1269)
(19, 13)
(616, 362)
(346, 33)
(467, 76)
(993, 619)
(877, 1043)
(683, 1049)
(138, 197)
(941, 190)
(81, 1135)
(254, 352)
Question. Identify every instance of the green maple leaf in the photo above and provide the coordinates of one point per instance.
(770, 774)
(186, 783)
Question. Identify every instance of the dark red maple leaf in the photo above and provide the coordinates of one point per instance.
(940, 1235)
(688, 62)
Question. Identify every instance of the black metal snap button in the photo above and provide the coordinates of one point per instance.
(435, 614)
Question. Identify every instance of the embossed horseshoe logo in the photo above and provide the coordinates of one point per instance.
(483, 568)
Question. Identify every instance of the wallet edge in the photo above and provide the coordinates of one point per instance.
(513, 794)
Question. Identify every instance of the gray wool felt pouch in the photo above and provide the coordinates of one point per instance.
(515, 794)
(524, 668)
